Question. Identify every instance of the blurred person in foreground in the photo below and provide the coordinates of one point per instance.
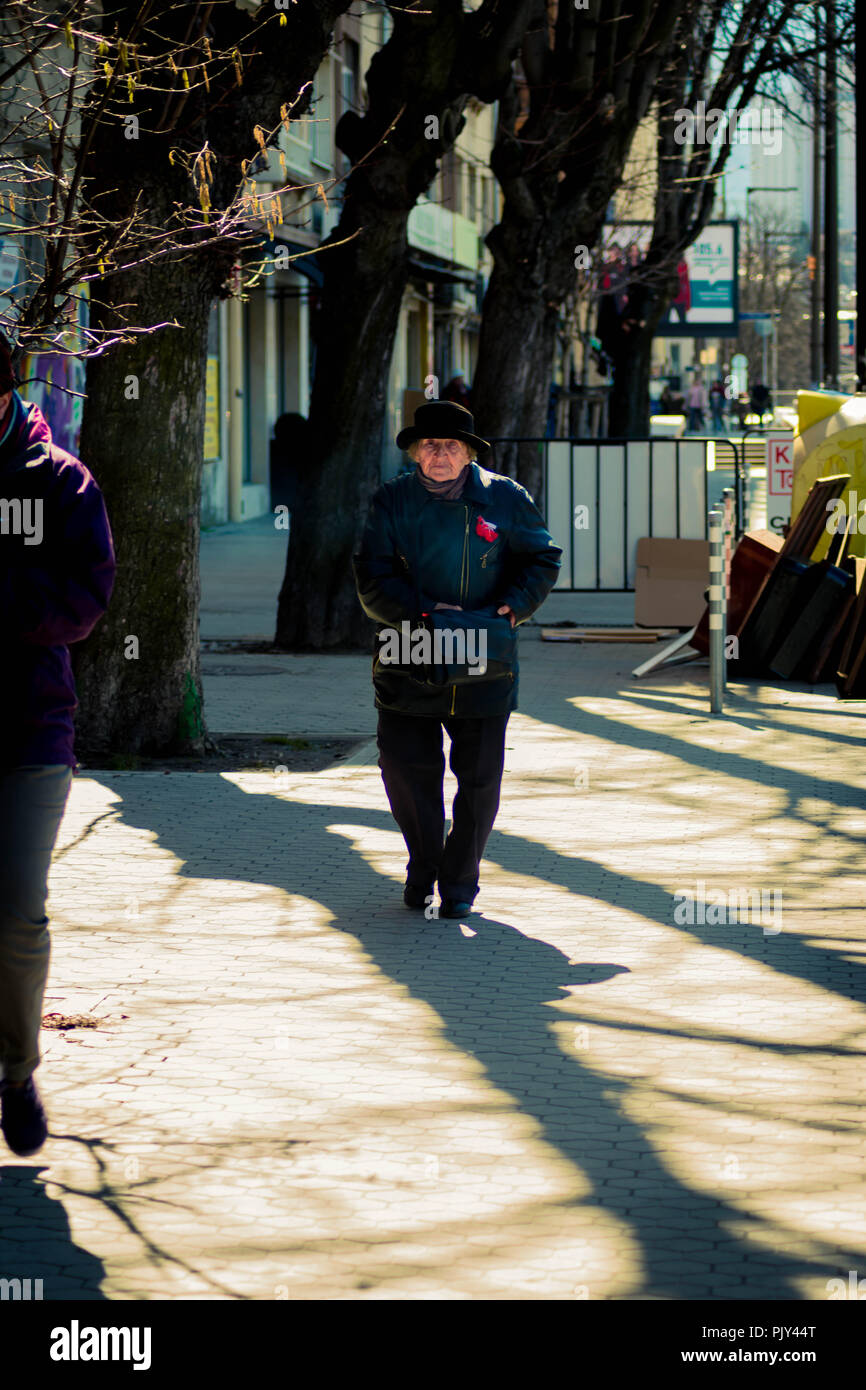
(56, 577)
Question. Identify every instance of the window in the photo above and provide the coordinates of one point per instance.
(321, 116)
(472, 200)
(489, 199)
(350, 95)
(247, 472)
(449, 181)
(414, 374)
(351, 76)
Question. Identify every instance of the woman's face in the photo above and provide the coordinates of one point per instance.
(442, 459)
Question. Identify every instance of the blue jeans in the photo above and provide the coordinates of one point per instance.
(32, 800)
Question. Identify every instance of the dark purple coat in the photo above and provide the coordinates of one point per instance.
(52, 591)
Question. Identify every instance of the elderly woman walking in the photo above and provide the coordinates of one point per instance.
(452, 559)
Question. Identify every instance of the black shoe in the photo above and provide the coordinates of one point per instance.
(413, 896)
(453, 907)
(23, 1122)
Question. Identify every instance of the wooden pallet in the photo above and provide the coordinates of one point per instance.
(851, 672)
(813, 630)
(774, 608)
(606, 634)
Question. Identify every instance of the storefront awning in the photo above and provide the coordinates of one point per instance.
(429, 268)
(304, 262)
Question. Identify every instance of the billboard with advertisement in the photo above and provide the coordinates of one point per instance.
(706, 304)
(56, 381)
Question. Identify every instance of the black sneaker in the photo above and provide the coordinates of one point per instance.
(23, 1122)
(416, 897)
(453, 907)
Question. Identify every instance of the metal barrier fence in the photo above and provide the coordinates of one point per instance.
(600, 496)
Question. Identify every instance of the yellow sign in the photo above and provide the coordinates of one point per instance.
(212, 409)
(831, 439)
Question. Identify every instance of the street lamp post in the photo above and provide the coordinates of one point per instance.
(776, 313)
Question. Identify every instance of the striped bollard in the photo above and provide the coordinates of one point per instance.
(718, 607)
(729, 525)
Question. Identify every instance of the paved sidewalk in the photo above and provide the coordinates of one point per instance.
(300, 1089)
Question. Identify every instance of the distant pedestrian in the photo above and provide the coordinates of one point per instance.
(762, 401)
(696, 400)
(682, 302)
(448, 536)
(457, 391)
(56, 576)
(717, 406)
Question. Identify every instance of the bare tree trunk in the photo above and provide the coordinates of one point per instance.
(142, 433)
(362, 292)
(532, 279)
(564, 134)
(516, 350)
(142, 438)
(628, 403)
(435, 57)
(688, 173)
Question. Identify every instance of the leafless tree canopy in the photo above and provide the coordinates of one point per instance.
(163, 84)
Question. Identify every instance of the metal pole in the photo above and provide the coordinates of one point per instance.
(860, 168)
(718, 609)
(816, 370)
(237, 404)
(740, 479)
(831, 205)
(729, 512)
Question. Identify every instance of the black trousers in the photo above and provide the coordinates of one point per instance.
(413, 768)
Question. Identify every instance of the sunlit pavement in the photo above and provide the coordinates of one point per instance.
(300, 1089)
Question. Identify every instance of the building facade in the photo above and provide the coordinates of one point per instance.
(261, 352)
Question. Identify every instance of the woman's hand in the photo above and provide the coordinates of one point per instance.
(503, 609)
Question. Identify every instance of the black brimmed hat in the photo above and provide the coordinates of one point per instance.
(441, 420)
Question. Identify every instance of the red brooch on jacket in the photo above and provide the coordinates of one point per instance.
(486, 530)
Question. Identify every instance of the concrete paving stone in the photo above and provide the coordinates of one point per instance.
(480, 1146)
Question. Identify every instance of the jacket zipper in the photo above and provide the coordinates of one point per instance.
(462, 588)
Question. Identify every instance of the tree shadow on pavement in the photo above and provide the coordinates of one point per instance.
(492, 991)
(798, 792)
(36, 1242)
